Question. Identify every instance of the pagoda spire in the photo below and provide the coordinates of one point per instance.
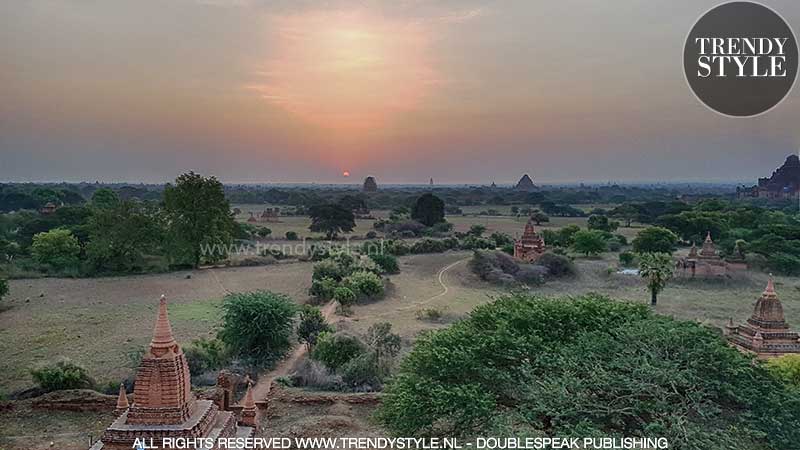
(249, 411)
(163, 338)
(768, 312)
(122, 399)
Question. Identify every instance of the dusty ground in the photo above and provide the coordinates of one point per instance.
(98, 322)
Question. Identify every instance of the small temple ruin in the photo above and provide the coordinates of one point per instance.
(530, 246)
(707, 263)
(765, 333)
(783, 184)
(163, 404)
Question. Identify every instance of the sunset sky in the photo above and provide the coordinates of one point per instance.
(300, 91)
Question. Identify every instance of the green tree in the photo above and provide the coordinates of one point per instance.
(610, 369)
(383, 342)
(655, 240)
(428, 210)
(200, 223)
(539, 217)
(656, 269)
(589, 242)
(3, 288)
(121, 234)
(601, 223)
(626, 212)
(105, 198)
(57, 248)
(331, 219)
(312, 324)
(257, 326)
(336, 349)
(477, 230)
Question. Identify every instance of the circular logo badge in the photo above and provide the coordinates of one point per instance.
(740, 59)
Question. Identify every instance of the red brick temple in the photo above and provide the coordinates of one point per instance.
(163, 404)
(765, 333)
(531, 246)
(707, 263)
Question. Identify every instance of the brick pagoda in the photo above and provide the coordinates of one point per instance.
(163, 404)
(531, 246)
(707, 263)
(765, 333)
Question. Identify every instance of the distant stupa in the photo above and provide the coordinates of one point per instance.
(525, 184)
(370, 185)
(431, 181)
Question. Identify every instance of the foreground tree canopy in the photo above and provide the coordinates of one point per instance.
(588, 367)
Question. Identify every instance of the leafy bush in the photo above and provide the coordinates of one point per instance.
(3, 288)
(429, 246)
(366, 285)
(431, 314)
(786, 368)
(314, 374)
(610, 369)
(371, 235)
(501, 239)
(472, 242)
(312, 324)
(62, 375)
(345, 296)
(57, 248)
(205, 355)
(336, 349)
(323, 288)
(386, 262)
(531, 274)
(627, 259)
(291, 236)
(409, 228)
(328, 268)
(558, 266)
(363, 372)
(257, 326)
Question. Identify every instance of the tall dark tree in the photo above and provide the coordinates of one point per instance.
(121, 235)
(331, 219)
(199, 219)
(429, 210)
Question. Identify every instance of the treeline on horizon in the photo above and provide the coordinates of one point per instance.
(136, 229)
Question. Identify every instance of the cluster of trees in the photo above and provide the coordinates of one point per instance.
(192, 225)
(611, 369)
(349, 279)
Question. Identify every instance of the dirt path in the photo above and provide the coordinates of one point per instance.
(261, 389)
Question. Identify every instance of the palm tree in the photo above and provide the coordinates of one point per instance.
(656, 268)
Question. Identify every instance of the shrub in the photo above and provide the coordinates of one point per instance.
(589, 374)
(205, 355)
(408, 228)
(558, 266)
(501, 239)
(323, 289)
(371, 235)
(430, 314)
(363, 373)
(311, 325)
(257, 326)
(429, 246)
(477, 230)
(345, 296)
(626, 259)
(614, 244)
(314, 374)
(786, 368)
(531, 274)
(442, 227)
(366, 285)
(57, 248)
(386, 262)
(291, 236)
(328, 268)
(62, 375)
(3, 288)
(336, 349)
(472, 242)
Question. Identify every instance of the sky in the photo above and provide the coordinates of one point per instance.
(279, 91)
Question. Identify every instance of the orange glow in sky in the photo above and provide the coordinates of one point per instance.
(351, 73)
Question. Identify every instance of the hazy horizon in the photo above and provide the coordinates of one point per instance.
(466, 92)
